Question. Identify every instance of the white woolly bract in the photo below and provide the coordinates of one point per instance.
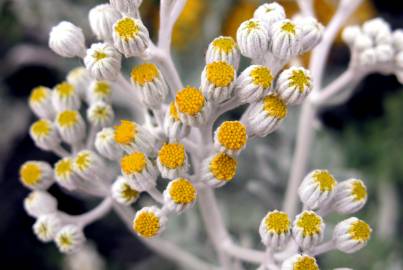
(342, 237)
(306, 242)
(197, 119)
(284, 44)
(107, 68)
(67, 40)
(287, 87)
(39, 203)
(75, 236)
(213, 93)
(253, 42)
(106, 145)
(215, 54)
(344, 200)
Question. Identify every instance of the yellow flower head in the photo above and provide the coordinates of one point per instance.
(224, 44)
(325, 180)
(190, 101)
(274, 107)
(220, 73)
(67, 118)
(223, 167)
(261, 76)
(126, 28)
(182, 191)
(30, 173)
(83, 160)
(360, 231)
(64, 168)
(65, 89)
(305, 262)
(310, 223)
(133, 163)
(38, 94)
(277, 222)
(300, 80)
(144, 73)
(359, 191)
(102, 89)
(146, 224)
(232, 135)
(125, 133)
(172, 155)
(41, 128)
(289, 27)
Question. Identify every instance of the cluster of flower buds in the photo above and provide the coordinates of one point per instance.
(375, 46)
(320, 194)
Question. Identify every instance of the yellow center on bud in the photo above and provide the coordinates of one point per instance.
(30, 173)
(220, 74)
(261, 76)
(133, 163)
(324, 179)
(65, 89)
(102, 89)
(126, 28)
(144, 73)
(189, 101)
(98, 55)
(232, 135)
(41, 128)
(289, 27)
(223, 167)
(182, 191)
(359, 191)
(305, 263)
(38, 94)
(126, 132)
(310, 223)
(146, 224)
(64, 167)
(224, 44)
(43, 230)
(300, 80)
(172, 155)
(83, 160)
(128, 193)
(360, 231)
(277, 222)
(65, 240)
(252, 25)
(274, 107)
(173, 113)
(67, 118)
(101, 112)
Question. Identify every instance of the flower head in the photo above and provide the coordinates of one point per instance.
(149, 222)
(308, 229)
(123, 192)
(351, 235)
(230, 137)
(172, 160)
(36, 175)
(350, 196)
(217, 81)
(44, 134)
(300, 262)
(39, 203)
(223, 49)
(103, 61)
(40, 102)
(99, 91)
(253, 83)
(275, 229)
(67, 40)
(130, 36)
(139, 171)
(64, 173)
(100, 114)
(285, 41)
(191, 106)
(70, 238)
(180, 194)
(46, 227)
(269, 13)
(101, 18)
(253, 38)
(65, 97)
(219, 169)
(294, 85)
(71, 126)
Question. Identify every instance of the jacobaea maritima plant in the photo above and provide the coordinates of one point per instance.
(170, 138)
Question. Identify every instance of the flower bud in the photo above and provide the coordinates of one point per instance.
(300, 262)
(350, 196)
(88, 165)
(367, 58)
(102, 18)
(103, 61)
(71, 126)
(384, 53)
(40, 102)
(269, 13)
(311, 33)
(39, 203)
(223, 49)
(350, 33)
(106, 145)
(253, 38)
(123, 193)
(149, 222)
(64, 173)
(219, 169)
(253, 84)
(70, 238)
(67, 40)
(173, 126)
(130, 37)
(275, 229)
(180, 195)
(100, 114)
(286, 39)
(44, 133)
(36, 175)
(46, 227)
(80, 79)
(126, 6)
(308, 229)
(65, 97)
(294, 85)
(351, 235)
(397, 39)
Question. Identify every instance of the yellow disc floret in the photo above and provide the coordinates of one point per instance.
(67, 118)
(30, 173)
(277, 222)
(252, 25)
(102, 88)
(125, 133)
(133, 163)
(274, 107)
(144, 73)
(38, 94)
(224, 44)
(360, 231)
(173, 113)
(300, 80)
(64, 167)
(146, 224)
(98, 55)
(359, 191)
(310, 223)
(172, 155)
(305, 263)
(261, 76)
(126, 28)
(220, 73)
(189, 101)
(223, 167)
(41, 128)
(128, 193)
(232, 135)
(324, 179)
(83, 160)
(65, 89)
(182, 191)
(289, 27)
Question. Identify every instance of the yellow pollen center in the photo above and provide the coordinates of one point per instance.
(309, 223)
(41, 128)
(274, 107)
(189, 101)
(299, 80)
(144, 73)
(38, 94)
(182, 191)
(65, 89)
(126, 28)
(64, 167)
(220, 74)
(288, 27)
(224, 44)
(65, 240)
(277, 222)
(67, 118)
(173, 112)
(305, 263)
(147, 224)
(360, 231)
(126, 132)
(261, 76)
(251, 25)
(99, 56)
(102, 89)
(172, 155)
(232, 135)
(359, 190)
(223, 167)
(30, 174)
(133, 163)
(128, 193)
(325, 180)
(83, 160)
